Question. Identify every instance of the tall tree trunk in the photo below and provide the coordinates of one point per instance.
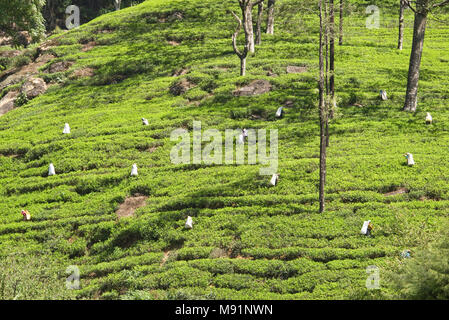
(243, 66)
(270, 20)
(340, 39)
(249, 22)
(419, 29)
(117, 4)
(401, 24)
(259, 24)
(327, 35)
(331, 59)
(323, 117)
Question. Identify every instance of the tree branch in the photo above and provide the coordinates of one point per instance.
(407, 2)
(441, 4)
(234, 38)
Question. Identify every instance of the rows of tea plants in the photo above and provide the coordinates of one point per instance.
(249, 240)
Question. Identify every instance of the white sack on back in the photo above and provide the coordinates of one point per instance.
(145, 122)
(274, 179)
(410, 160)
(66, 129)
(428, 118)
(134, 170)
(51, 170)
(189, 223)
(279, 112)
(365, 227)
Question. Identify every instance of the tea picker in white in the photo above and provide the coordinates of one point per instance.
(366, 228)
(410, 161)
(383, 95)
(51, 170)
(274, 179)
(145, 122)
(280, 112)
(189, 223)
(242, 136)
(66, 129)
(134, 170)
(428, 118)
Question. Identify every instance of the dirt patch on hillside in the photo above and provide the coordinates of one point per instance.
(10, 53)
(181, 87)
(16, 75)
(180, 72)
(84, 72)
(59, 66)
(7, 102)
(396, 192)
(256, 87)
(88, 46)
(152, 149)
(296, 69)
(173, 43)
(46, 45)
(131, 204)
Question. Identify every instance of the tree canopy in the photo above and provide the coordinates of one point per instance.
(17, 16)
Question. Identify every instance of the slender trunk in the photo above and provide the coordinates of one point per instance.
(259, 24)
(270, 20)
(322, 117)
(241, 23)
(331, 58)
(242, 66)
(340, 40)
(419, 29)
(326, 75)
(326, 51)
(401, 24)
(117, 4)
(250, 28)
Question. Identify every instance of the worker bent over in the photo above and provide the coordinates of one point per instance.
(26, 215)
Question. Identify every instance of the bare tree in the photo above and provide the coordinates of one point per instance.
(117, 4)
(259, 23)
(246, 22)
(242, 55)
(323, 116)
(421, 10)
(270, 19)
(401, 24)
(332, 57)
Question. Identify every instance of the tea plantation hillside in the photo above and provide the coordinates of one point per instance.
(249, 240)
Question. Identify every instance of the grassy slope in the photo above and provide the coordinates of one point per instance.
(290, 251)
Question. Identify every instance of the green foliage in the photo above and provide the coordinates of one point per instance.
(424, 276)
(28, 275)
(18, 15)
